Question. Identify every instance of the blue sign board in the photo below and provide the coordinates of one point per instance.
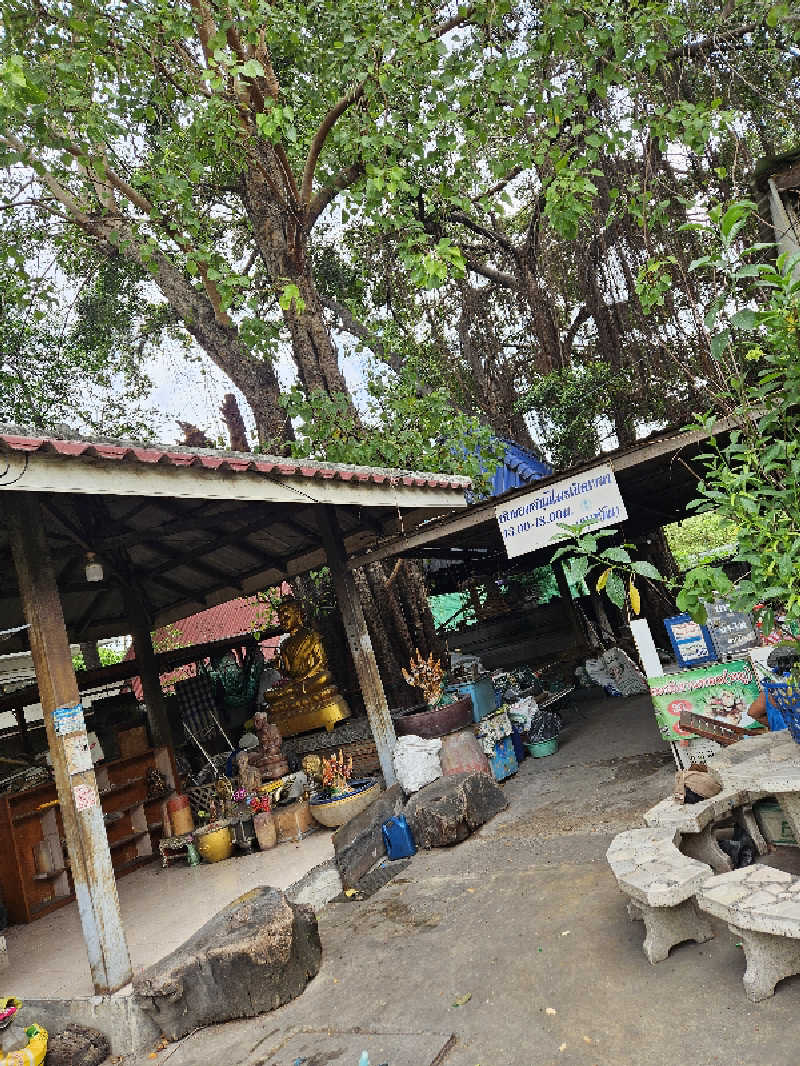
(690, 641)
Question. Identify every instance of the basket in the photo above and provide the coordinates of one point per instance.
(541, 748)
(785, 697)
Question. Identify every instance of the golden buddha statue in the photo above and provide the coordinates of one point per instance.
(309, 698)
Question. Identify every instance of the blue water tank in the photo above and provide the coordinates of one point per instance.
(397, 838)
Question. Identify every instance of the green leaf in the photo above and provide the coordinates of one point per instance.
(646, 569)
(615, 589)
(252, 69)
(746, 320)
(720, 342)
(735, 213)
(615, 555)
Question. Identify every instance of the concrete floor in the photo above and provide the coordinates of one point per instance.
(160, 909)
(526, 920)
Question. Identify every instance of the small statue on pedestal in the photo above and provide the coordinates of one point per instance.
(269, 758)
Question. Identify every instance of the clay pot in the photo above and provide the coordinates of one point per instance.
(462, 754)
(437, 721)
(214, 845)
(266, 833)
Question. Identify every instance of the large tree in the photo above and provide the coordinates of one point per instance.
(203, 141)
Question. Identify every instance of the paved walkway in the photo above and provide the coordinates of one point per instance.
(524, 928)
(160, 909)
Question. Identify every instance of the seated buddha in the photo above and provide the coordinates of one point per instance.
(307, 697)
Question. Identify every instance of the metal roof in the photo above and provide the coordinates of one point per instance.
(191, 527)
(656, 477)
(519, 467)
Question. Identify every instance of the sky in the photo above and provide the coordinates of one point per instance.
(192, 389)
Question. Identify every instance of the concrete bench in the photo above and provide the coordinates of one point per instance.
(762, 908)
(661, 883)
(696, 824)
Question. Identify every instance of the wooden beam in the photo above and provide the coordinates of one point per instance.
(355, 626)
(87, 842)
(147, 663)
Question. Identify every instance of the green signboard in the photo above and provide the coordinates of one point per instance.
(720, 690)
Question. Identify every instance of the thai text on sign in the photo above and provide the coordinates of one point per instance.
(536, 519)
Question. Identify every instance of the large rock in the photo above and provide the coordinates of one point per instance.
(358, 844)
(76, 1045)
(255, 955)
(448, 810)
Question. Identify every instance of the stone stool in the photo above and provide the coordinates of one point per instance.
(661, 883)
(762, 908)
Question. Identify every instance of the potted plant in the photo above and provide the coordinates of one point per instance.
(341, 798)
(444, 714)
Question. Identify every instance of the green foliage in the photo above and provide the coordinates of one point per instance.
(619, 574)
(403, 427)
(751, 478)
(108, 657)
(701, 538)
(567, 404)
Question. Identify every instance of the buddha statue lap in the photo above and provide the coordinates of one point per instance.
(308, 698)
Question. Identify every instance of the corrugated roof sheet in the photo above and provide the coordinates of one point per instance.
(235, 462)
(519, 467)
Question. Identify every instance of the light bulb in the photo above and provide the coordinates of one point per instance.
(94, 570)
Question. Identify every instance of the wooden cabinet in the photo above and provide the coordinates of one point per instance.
(34, 867)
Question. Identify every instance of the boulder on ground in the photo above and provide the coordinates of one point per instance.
(256, 954)
(77, 1045)
(358, 844)
(448, 810)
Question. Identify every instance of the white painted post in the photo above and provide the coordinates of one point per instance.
(79, 801)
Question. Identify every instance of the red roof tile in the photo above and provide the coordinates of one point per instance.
(237, 462)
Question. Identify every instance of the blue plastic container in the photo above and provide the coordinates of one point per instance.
(484, 698)
(504, 761)
(519, 746)
(397, 838)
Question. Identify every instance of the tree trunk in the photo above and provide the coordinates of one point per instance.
(283, 245)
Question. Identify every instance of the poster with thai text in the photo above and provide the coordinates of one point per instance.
(723, 691)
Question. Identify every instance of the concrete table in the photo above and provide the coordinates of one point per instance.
(768, 765)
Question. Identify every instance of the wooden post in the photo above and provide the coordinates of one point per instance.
(81, 813)
(355, 627)
(157, 717)
(569, 605)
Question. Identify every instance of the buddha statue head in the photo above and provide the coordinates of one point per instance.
(290, 616)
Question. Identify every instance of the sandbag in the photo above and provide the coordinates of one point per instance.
(416, 762)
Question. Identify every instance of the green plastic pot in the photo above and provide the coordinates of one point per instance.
(543, 747)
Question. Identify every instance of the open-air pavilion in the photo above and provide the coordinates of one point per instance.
(174, 530)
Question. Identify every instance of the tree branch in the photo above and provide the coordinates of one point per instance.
(483, 231)
(508, 281)
(325, 127)
(350, 324)
(343, 180)
(723, 38)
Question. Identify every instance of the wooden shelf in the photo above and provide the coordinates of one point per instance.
(46, 904)
(121, 788)
(112, 844)
(24, 827)
(111, 817)
(140, 860)
(51, 876)
(20, 818)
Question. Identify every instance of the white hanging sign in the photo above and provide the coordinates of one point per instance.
(534, 520)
